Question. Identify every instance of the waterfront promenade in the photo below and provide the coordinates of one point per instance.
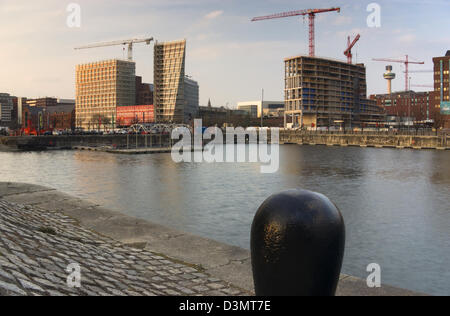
(400, 140)
(42, 231)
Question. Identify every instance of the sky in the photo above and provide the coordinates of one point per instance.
(232, 58)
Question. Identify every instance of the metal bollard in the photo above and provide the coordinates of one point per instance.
(297, 245)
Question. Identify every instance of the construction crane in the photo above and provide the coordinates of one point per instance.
(419, 71)
(350, 45)
(311, 13)
(406, 62)
(129, 42)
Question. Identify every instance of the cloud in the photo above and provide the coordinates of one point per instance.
(343, 20)
(214, 14)
(38, 45)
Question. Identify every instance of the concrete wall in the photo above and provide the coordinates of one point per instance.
(441, 141)
(120, 141)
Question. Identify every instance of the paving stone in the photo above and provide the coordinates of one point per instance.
(45, 283)
(216, 286)
(116, 292)
(186, 291)
(200, 288)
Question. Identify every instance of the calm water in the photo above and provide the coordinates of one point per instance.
(396, 203)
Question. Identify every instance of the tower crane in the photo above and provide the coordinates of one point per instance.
(311, 13)
(348, 51)
(420, 71)
(129, 42)
(406, 62)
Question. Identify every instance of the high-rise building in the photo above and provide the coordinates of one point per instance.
(137, 114)
(42, 102)
(441, 94)
(100, 88)
(389, 76)
(6, 108)
(58, 117)
(406, 108)
(169, 81)
(267, 108)
(191, 96)
(321, 92)
(18, 104)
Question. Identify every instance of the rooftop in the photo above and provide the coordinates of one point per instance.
(324, 59)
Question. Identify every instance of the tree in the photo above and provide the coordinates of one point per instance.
(79, 122)
(120, 122)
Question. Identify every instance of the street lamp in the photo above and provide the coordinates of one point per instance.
(409, 105)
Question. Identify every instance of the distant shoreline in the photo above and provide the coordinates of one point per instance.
(229, 263)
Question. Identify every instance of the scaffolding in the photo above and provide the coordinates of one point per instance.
(323, 92)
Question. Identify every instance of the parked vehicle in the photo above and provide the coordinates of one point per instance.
(4, 131)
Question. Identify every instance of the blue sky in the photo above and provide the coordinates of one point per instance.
(230, 57)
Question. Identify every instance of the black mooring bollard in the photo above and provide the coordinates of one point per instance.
(297, 245)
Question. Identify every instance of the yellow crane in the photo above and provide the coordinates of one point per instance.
(129, 42)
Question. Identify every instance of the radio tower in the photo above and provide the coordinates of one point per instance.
(311, 13)
(406, 62)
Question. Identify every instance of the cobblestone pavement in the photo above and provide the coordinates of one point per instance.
(36, 247)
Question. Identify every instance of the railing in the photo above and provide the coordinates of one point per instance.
(369, 133)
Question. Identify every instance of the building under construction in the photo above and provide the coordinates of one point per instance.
(328, 93)
(176, 96)
(100, 88)
(406, 108)
(440, 97)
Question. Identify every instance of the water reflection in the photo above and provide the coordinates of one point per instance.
(396, 203)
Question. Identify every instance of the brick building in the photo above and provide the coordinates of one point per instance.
(176, 96)
(6, 110)
(42, 102)
(100, 88)
(407, 107)
(62, 117)
(441, 95)
(18, 105)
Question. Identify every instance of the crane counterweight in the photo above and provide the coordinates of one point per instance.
(128, 42)
(311, 13)
(348, 51)
(407, 61)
